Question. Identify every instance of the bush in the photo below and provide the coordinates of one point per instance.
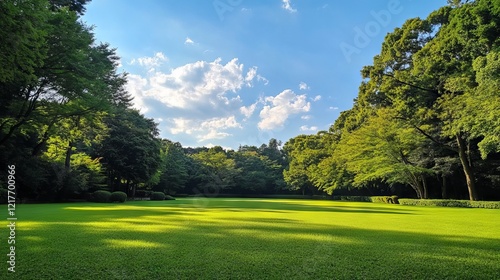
(101, 196)
(157, 196)
(352, 198)
(142, 193)
(118, 197)
(169, 197)
(385, 199)
(450, 203)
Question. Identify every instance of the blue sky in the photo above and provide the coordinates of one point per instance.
(239, 72)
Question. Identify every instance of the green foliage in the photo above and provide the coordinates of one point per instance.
(131, 151)
(157, 196)
(450, 203)
(142, 193)
(172, 174)
(101, 196)
(384, 148)
(118, 197)
(169, 197)
(385, 199)
(218, 169)
(352, 198)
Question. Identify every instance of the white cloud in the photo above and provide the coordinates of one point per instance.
(201, 97)
(287, 5)
(247, 111)
(199, 85)
(134, 86)
(334, 108)
(306, 117)
(150, 62)
(277, 109)
(303, 86)
(260, 78)
(317, 98)
(306, 128)
(188, 41)
(204, 130)
(251, 74)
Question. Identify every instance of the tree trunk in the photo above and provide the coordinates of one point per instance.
(425, 194)
(469, 173)
(67, 161)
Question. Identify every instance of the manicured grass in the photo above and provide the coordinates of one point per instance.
(253, 239)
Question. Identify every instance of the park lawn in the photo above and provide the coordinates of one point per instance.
(252, 239)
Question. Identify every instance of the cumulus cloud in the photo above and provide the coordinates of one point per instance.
(303, 86)
(306, 117)
(204, 130)
(200, 85)
(247, 111)
(334, 108)
(134, 86)
(278, 109)
(202, 97)
(150, 62)
(287, 5)
(188, 41)
(308, 128)
(317, 98)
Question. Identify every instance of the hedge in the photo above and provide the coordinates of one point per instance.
(450, 203)
(101, 196)
(157, 196)
(385, 199)
(352, 198)
(118, 197)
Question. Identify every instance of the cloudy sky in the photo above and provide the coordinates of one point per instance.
(239, 72)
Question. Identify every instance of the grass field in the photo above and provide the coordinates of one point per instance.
(253, 239)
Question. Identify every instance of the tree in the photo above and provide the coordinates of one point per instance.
(420, 67)
(173, 171)
(131, 152)
(386, 149)
(304, 153)
(258, 173)
(219, 171)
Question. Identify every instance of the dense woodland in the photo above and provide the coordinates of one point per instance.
(424, 124)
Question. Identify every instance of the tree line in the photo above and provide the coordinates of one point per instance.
(424, 124)
(426, 118)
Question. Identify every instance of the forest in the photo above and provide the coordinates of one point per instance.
(424, 123)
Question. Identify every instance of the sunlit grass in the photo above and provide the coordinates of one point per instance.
(254, 239)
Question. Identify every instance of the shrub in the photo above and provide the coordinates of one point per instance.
(101, 196)
(118, 197)
(352, 198)
(385, 199)
(450, 203)
(157, 196)
(169, 197)
(142, 193)
(485, 204)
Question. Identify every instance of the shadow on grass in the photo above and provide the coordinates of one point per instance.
(180, 244)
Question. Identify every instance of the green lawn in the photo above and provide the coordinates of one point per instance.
(253, 239)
